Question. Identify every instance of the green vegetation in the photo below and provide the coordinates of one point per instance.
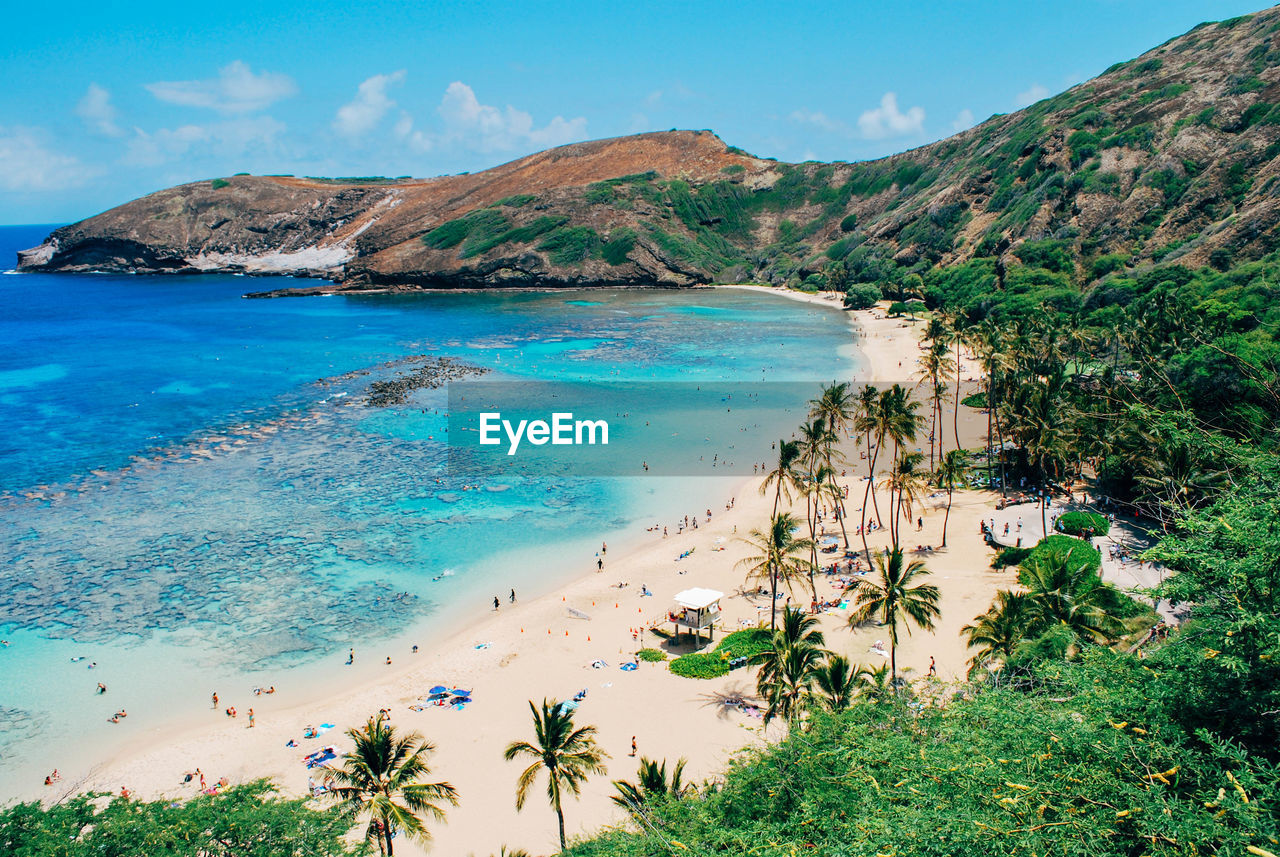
(218, 184)
(519, 200)
(862, 296)
(738, 644)
(1079, 523)
(571, 245)
(618, 246)
(652, 655)
(250, 819)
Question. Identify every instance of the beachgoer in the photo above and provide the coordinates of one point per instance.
(124, 793)
(599, 564)
(495, 602)
(415, 650)
(633, 745)
(604, 547)
(351, 657)
(215, 699)
(933, 666)
(513, 596)
(250, 718)
(102, 688)
(388, 660)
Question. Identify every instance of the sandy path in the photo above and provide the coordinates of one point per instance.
(538, 649)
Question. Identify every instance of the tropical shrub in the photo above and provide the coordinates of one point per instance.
(1077, 523)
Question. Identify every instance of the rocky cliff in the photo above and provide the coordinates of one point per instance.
(1171, 156)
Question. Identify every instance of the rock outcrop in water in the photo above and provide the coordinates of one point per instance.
(1171, 156)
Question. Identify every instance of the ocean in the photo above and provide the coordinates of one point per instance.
(194, 494)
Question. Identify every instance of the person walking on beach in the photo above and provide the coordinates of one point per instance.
(351, 657)
(633, 745)
(933, 666)
(513, 596)
(495, 602)
(250, 718)
(599, 564)
(215, 699)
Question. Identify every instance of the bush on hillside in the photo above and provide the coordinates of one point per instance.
(862, 296)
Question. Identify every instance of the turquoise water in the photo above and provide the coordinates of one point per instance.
(193, 495)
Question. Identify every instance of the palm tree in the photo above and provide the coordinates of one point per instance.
(934, 365)
(784, 478)
(816, 441)
(838, 406)
(876, 683)
(779, 557)
(952, 470)
(868, 424)
(907, 480)
(958, 337)
(788, 669)
(651, 785)
(895, 598)
(1065, 590)
(836, 682)
(382, 778)
(568, 755)
(996, 633)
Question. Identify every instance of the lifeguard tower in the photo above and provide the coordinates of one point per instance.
(697, 610)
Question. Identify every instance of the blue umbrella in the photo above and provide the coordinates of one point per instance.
(438, 689)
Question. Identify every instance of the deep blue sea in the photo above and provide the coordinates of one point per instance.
(192, 491)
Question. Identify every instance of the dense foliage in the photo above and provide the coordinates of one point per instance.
(738, 644)
(243, 821)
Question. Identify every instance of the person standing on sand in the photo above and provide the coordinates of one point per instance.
(599, 564)
(933, 666)
(633, 745)
(250, 718)
(513, 596)
(495, 602)
(215, 699)
(351, 657)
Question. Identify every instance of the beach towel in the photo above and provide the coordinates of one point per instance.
(629, 667)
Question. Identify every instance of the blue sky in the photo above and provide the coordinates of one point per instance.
(106, 101)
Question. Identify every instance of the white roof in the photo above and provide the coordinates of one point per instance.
(697, 598)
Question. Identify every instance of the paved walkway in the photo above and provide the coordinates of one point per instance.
(1119, 567)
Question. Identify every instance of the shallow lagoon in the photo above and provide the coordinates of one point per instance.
(193, 496)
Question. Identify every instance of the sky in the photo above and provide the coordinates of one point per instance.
(104, 102)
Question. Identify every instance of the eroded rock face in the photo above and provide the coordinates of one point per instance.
(1170, 149)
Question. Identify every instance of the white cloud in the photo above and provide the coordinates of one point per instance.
(236, 90)
(963, 121)
(97, 111)
(487, 128)
(819, 119)
(227, 139)
(1031, 96)
(888, 121)
(417, 141)
(371, 104)
(27, 164)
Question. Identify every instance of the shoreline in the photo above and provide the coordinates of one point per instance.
(551, 651)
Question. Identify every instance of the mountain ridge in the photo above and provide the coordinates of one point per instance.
(1171, 156)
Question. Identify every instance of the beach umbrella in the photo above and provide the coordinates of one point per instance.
(438, 689)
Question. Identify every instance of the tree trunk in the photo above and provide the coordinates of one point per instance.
(386, 829)
(1044, 526)
(870, 492)
(946, 517)
(840, 511)
(955, 420)
(560, 817)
